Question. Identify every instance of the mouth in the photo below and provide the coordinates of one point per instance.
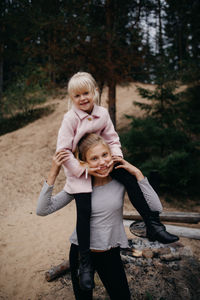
(84, 103)
(103, 169)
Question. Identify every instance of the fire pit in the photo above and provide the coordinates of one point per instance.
(158, 271)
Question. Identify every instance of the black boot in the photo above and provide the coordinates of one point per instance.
(86, 271)
(156, 231)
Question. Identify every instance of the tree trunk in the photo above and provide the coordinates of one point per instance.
(160, 36)
(112, 101)
(109, 6)
(1, 80)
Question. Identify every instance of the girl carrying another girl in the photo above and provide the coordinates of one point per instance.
(107, 230)
(88, 117)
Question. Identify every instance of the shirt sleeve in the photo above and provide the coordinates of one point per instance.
(150, 195)
(47, 204)
(111, 137)
(65, 141)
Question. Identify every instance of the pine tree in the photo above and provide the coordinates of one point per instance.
(167, 138)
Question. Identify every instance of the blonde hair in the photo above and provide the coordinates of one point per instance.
(83, 80)
(86, 142)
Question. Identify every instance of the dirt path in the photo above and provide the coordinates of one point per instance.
(30, 245)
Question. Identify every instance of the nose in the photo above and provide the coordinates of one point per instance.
(102, 161)
(82, 97)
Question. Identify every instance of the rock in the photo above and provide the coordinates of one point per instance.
(175, 267)
(186, 251)
(176, 245)
(170, 257)
(147, 253)
(161, 251)
(137, 253)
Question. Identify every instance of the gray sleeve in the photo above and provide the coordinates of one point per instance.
(47, 204)
(150, 195)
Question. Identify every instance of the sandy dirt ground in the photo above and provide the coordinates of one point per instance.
(29, 244)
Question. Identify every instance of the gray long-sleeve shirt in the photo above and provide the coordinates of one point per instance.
(106, 223)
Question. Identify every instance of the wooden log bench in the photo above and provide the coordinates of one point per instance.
(168, 216)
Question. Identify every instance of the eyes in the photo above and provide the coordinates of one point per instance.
(95, 158)
(84, 94)
(105, 154)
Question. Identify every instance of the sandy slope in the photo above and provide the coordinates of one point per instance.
(30, 245)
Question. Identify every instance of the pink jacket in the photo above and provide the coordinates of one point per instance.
(76, 123)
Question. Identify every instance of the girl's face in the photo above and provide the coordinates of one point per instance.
(99, 156)
(83, 99)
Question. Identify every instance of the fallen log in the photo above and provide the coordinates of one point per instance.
(169, 216)
(57, 271)
(192, 233)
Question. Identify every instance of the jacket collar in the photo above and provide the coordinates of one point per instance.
(82, 114)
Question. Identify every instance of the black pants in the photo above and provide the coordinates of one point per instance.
(83, 205)
(133, 189)
(110, 269)
(83, 209)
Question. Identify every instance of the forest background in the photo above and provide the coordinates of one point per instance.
(153, 41)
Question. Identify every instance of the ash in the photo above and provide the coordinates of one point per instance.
(143, 243)
(155, 272)
(158, 271)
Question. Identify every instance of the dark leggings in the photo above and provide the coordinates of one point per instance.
(133, 189)
(83, 205)
(83, 209)
(110, 269)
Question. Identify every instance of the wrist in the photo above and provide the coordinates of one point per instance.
(139, 176)
(52, 177)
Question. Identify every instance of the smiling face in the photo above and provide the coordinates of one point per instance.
(99, 156)
(83, 99)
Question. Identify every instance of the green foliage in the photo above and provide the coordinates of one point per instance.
(166, 139)
(148, 296)
(190, 110)
(22, 119)
(23, 95)
(179, 168)
(150, 138)
(182, 31)
(18, 106)
(152, 144)
(166, 102)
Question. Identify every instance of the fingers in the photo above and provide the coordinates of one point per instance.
(96, 172)
(120, 167)
(60, 157)
(91, 170)
(117, 159)
(110, 163)
(121, 162)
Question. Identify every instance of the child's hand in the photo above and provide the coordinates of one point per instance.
(58, 159)
(97, 171)
(129, 167)
(115, 157)
(110, 163)
(93, 171)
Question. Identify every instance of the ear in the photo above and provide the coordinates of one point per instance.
(96, 91)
